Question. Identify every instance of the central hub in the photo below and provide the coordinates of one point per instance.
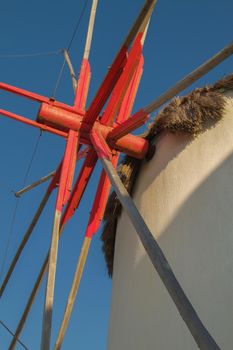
(65, 120)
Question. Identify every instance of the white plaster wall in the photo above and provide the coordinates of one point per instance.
(185, 195)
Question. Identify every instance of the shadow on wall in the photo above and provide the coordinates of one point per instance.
(198, 243)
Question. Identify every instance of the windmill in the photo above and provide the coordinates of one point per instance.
(104, 134)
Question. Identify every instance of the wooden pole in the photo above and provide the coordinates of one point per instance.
(190, 78)
(87, 45)
(49, 295)
(35, 184)
(24, 241)
(200, 334)
(51, 187)
(90, 30)
(71, 69)
(29, 304)
(141, 22)
(73, 291)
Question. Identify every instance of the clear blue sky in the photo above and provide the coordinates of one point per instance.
(181, 36)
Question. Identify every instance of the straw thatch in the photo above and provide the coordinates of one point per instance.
(192, 114)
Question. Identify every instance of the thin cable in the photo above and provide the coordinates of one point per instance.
(18, 340)
(77, 25)
(36, 54)
(10, 235)
(32, 158)
(58, 81)
(68, 48)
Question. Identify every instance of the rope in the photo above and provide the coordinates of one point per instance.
(68, 48)
(18, 340)
(10, 234)
(36, 54)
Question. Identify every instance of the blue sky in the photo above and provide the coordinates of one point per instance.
(182, 35)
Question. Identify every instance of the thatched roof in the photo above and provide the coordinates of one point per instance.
(191, 114)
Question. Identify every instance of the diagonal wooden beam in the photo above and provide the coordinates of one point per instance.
(34, 184)
(71, 69)
(127, 126)
(190, 78)
(141, 22)
(30, 229)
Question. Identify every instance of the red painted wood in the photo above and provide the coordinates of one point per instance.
(127, 103)
(32, 123)
(38, 98)
(55, 180)
(101, 147)
(128, 125)
(24, 93)
(106, 87)
(80, 186)
(83, 86)
(100, 201)
(67, 170)
(120, 89)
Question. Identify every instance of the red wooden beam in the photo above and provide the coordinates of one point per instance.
(33, 123)
(100, 201)
(24, 93)
(82, 86)
(38, 98)
(129, 125)
(106, 87)
(120, 89)
(80, 186)
(127, 103)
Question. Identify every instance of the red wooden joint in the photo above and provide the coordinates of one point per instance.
(100, 145)
(52, 116)
(128, 125)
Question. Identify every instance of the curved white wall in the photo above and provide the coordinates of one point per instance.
(185, 195)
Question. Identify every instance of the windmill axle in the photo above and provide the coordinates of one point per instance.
(64, 120)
